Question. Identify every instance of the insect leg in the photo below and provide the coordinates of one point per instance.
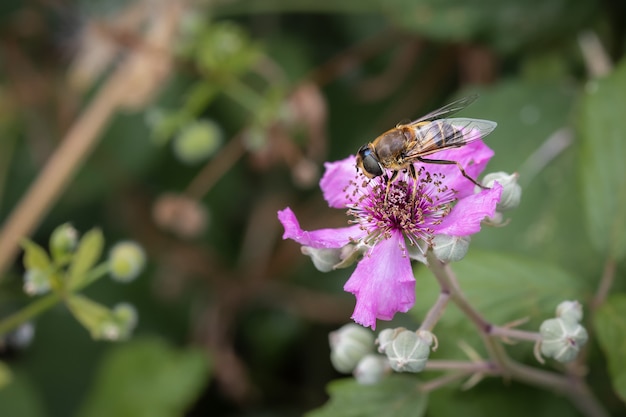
(389, 180)
(446, 162)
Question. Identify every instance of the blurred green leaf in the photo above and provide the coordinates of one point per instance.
(508, 24)
(610, 325)
(5, 375)
(20, 398)
(396, 396)
(503, 288)
(146, 378)
(35, 257)
(493, 398)
(602, 168)
(87, 254)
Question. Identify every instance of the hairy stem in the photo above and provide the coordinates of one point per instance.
(572, 385)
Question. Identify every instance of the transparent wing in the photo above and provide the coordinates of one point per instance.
(449, 133)
(448, 109)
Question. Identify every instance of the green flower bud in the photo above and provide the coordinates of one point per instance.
(450, 248)
(562, 339)
(511, 190)
(63, 240)
(197, 141)
(120, 324)
(371, 369)
(409, 351)
(126, 261)
(36, 282)
(349, 345)
(386, 336)
(570, 310)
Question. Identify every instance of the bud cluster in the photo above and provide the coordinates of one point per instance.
(563, 336)
(352, 351)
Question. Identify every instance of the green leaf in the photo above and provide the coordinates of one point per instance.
(87, 254)
(146, 378)
(396, 396)
(35, 257)
(610, 325)
(503, 288)
(21, 398)
(602, 167)
(90, 314)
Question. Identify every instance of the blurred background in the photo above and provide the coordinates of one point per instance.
(186, 125)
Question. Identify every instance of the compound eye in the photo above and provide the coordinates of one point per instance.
(371, 167)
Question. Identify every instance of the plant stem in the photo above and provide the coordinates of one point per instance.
(573, 386)
(46, 302)
(435, 312)
(606, 282)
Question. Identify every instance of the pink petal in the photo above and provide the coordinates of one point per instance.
(322, 238)
(335, 180)
(382, 282)
(473, 157)
(468, 212)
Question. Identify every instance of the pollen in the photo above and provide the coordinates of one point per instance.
(410, 206)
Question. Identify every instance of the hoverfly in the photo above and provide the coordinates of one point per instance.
(398, 148)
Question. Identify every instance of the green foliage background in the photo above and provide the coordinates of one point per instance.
(234, 321)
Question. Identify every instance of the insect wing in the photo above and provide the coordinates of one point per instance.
(449, 133)
(448, 109)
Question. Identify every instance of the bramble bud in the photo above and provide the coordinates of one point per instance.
(36, 282)
(511, 190)
(126, 261)
(349, 345)
(385, 337)
(450, 248)
(63, 240)
(409, 351)
(371, 369)
(570, 310)
(562, 339)
(197, 141)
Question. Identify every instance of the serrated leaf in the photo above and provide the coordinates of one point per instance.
(396, 396)
(602, 168)
(610, 326)
(146, 378)
(87, 254)
(35, 257)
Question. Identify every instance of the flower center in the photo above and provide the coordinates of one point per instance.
(412, 207)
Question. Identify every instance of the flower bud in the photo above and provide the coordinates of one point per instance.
(349, 345)
(126, 261)
(36, 282)
(511, 190)
(562, 339)
(570, 310)
(409, 351)
(63, 240)
(371, 369)
(385, 337)
(450, 248)
(197, 141)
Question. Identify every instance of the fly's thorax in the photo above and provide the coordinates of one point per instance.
(391, 146)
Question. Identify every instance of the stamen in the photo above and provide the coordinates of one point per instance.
(406, 205)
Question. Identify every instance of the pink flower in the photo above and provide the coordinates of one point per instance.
(411, 212)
